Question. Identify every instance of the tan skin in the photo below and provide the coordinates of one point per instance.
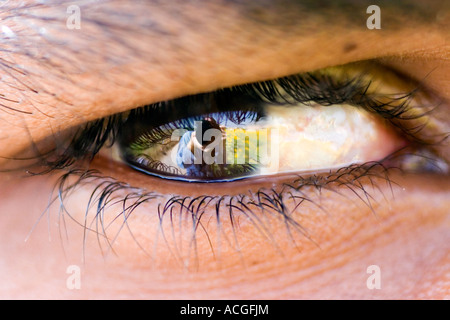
(407, 237)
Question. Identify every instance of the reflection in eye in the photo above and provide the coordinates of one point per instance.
(258, 139)
(326, 119)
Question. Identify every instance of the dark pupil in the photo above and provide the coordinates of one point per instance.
(206, 124)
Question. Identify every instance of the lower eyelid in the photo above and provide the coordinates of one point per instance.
(259, 213)
(123, 172)
(155, 220)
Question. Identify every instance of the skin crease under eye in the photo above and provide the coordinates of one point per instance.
(407, 238)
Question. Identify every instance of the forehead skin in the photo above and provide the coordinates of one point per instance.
(127, 55)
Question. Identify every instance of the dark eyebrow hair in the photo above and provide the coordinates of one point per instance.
(115, 17)
(345, 12)
(272, 12)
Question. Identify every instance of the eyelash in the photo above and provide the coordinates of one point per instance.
(254, 207)
(319, 88)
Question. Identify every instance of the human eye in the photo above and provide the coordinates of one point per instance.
(294, 124)
(302, 123)
(307, 123)
(311, 167)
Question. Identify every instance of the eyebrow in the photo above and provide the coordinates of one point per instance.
(121, 14)
(349, 12)
(30, 26)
